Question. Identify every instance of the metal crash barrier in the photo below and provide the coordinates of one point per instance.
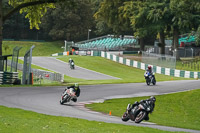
(9, 78)
(1, 78)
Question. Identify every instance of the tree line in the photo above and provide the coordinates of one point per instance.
(71, 19)
(152, 18)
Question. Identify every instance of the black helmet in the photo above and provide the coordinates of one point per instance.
(152, 98)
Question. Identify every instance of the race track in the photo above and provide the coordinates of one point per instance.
(46, 99)
(53, 64)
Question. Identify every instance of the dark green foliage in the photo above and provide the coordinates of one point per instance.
(71, 24)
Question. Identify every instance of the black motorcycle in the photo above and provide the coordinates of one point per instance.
(150, 78)
(138, 112)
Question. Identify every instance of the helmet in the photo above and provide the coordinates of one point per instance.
(152, 98)
(149, 67)
(76, 85)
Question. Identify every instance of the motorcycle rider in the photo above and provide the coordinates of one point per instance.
(71, 60)
(151, 99)
(77, 91)
(150, 70)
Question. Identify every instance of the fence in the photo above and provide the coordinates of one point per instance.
(40, 76)
(8, 77)
(26, 78)
(45, 76)
(159, 60)
(15, 56)
(1, 77)
(180, 52)
(156, 69)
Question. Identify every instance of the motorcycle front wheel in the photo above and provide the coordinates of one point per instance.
(125, 117)
(63, 100)
(148, 82)
(140, 116)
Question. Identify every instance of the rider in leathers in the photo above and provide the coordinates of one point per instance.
(152, 98)
(77, 90)
(150, 70)
(71, 60)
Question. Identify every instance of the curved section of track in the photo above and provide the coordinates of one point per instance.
(46, 99)
(56, 65)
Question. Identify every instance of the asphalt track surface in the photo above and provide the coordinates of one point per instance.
(52, 63)
(46, 99)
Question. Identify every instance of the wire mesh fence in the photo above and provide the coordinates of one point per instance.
(15, 59)
(41, 76)
(181, 52)
(166, 61)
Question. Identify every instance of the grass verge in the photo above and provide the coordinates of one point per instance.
(177, 110)
(41, 48)
(126, 74)
(21, 121)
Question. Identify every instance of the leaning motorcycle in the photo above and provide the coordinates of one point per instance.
(72, 65)
(150, 78)
(139, 112)
(67, 95)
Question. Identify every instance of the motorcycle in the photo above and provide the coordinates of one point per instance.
(150, 78)
(139, 112)
(67, 95)
(72, 65)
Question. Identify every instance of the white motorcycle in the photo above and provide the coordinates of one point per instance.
(68, 95)
(72, 65)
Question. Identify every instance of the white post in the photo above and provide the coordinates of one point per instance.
(192, 52)
(65, 45)
(89, 30)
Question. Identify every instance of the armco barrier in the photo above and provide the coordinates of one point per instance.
(1, 77)
(156, 69)
(8, 77)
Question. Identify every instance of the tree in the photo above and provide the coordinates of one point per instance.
(150, 16)
(108, 13)
(34, 10)
(186, 17)
(71, 24)
(160, 16)
(136, 12)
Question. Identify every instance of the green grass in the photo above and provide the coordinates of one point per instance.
(20, 121)
(125, 73)
(41, 48)
(187, 67)
(177, 110)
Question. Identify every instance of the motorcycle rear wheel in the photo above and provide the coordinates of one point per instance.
(125, 117)
(61, 102)
(140, 116)
(154, 81)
